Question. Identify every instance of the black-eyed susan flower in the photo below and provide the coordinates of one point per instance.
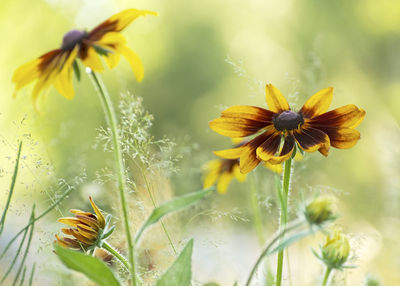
(88, 230)
(312, 128)
(56, 67)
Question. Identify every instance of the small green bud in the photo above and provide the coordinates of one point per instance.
(320, 210)
(336, 249)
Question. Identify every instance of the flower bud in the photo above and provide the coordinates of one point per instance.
(320, 210)
(336, 249)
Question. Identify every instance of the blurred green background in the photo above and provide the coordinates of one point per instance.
(200, 57)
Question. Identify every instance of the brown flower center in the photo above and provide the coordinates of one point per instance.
(287, 120)
(72, 38)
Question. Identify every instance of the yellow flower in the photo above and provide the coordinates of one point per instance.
(222, 171)
(312, 128)
(336, 249)
(56, 67)
(321, 209)
(87, 228)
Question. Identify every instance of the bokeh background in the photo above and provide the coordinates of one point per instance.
(200, 57)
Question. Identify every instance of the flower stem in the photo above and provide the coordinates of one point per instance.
(116, 254)
(284, 213)
(326, 277)
(112, 122)
(256, 210)
(278, 235)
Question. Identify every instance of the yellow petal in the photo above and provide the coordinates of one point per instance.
(233, 153)
(25, 74)
(275, 100)
(318, 103)
(125, 17)
(223, 182)
(71, 221)
(112, 39)
(112, 59)
(238, 175)
(99, 215)
(276, 168)
(92, 60)
(134, 61)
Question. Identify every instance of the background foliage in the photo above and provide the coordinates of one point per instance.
(199, 57)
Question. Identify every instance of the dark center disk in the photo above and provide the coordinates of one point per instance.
(288, 120)
(72, 38)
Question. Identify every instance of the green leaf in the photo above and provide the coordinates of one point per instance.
(172, 206)
(180, 273)
(94, 269)
(290, 240)
(211, 284)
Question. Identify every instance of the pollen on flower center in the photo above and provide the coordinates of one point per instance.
(72, 38)
(287, 120)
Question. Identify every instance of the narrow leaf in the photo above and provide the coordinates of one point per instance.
(13, 180)
(172, 206)
(94, 269)
(180, 273)
(290, 240)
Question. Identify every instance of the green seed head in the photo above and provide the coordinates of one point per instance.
(320, 210)
(336, 249)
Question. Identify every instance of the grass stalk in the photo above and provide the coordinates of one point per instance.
(116, 254)
(13, 180)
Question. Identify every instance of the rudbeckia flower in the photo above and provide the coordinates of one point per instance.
(56, 67)
(311, 128)
(87, 228)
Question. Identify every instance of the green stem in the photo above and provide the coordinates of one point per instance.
(116, 254)
(257, 217)
(278, 236)
(284, 214)
(13, 180)
(112, 122)
(326, 277)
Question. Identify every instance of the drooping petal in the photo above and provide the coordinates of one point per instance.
(223, 182)
(89, 221)
(276, 168)
(117, 22)
(238, 175)
(63, 82)
(341, 138)
(269, 148)
(83, 239)
(236, 127)
(25, 74)
(71, 221)
(275, 100)
(349, 116)
(99, 215)
(249, 112)
(248, 157)
(213, 172)
(233, 153)
(133, 60)
(68, 242)
(125, 17)
(312, 139)
(92, 60)
(318, 103)
(286, 152)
